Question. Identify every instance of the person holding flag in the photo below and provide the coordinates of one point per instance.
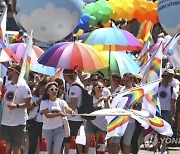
(16, 101)
(167, 96)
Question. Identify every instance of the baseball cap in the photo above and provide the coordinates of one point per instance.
(85, 76)
(170, 71)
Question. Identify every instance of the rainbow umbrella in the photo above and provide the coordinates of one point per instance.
(73, 55)
(121, 63)
(19, 49)
(6, 54)
(112, 39)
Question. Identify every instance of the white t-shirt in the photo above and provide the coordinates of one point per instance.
(165, 101)
(35, 112)
(52, 106)
(175, 83)
(74, 92)
(100, 121)
(17, 116)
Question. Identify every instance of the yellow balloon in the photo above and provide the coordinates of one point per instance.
(112, 4)
(79, 33)
(149, 5)
(130, 9)
(136, 3)
(156, 3)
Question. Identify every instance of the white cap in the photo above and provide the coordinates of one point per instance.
(170, 71)
(85, 76)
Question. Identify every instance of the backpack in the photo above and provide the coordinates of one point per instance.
(86, 105)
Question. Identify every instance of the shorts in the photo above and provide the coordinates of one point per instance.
(90, 128)
(74, 128)
(13, 135)
(127, 135)
(166, 115)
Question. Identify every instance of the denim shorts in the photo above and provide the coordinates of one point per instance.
(13, 135)
(90, 128)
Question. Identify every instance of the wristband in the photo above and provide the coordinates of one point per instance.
(17, 106)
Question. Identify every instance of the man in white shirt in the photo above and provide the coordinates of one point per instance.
(167, 96)
(73, 98)
(16, 101)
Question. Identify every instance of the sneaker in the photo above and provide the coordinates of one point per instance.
(165, 152)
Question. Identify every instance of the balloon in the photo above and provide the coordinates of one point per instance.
(88, 10)
(107, 10)
(84, 26)
(79, 33)
(130, 9)
(150, 5)
(93, 21)
(99, 14)
(137, 3)
(85, 18)
(96, 7)
(50, 20)
(168, 13)
(142, 9)
(105, 18)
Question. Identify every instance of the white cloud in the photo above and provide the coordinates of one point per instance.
(50, 24)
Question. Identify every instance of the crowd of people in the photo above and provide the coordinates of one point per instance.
(37, 108)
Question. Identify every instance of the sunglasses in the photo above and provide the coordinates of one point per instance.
(53, 89)
(100, 87)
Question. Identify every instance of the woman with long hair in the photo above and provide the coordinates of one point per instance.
(35, 119)
(53, 109)
(99, 124)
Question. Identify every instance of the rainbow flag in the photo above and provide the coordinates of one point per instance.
(125, 100)
(116, 125)
(145, 30)
(159, 125)
(143, 59)
(152, 71)
(133, 97)
(144, 55)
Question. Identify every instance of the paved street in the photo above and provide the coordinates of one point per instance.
(172, 150)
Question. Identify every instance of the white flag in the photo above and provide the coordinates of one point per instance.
(23, 68)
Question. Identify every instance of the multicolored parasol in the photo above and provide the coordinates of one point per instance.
(73, 55)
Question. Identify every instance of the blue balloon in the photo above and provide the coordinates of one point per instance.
(75, 30)
(84, 26)
(85, 18)
(168, 13)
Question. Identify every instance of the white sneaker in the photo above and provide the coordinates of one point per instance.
(165, 152)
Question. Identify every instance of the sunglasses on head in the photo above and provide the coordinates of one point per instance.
(53, 89)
